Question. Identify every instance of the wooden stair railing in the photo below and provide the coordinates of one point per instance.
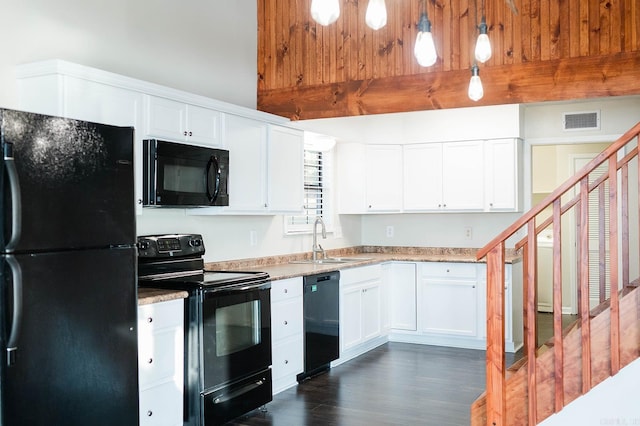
(614, 242)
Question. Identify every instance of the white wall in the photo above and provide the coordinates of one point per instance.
(207, 47)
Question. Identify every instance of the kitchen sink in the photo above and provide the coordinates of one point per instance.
(330, 260)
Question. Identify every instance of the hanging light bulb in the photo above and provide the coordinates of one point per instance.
(376, 16)
(325, 12)
(425, 48)
(483, 45)
(476, 92)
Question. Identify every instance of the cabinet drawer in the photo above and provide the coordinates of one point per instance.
(287, 358)
(446, 270)
(360, 274)
(158, 355)
(157, 316)
(161, 405)
(286, 289)
(286, 318)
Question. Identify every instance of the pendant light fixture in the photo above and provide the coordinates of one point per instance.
(425, 48)
(376, 16)
(325, 12)
(483, 45)
(476, 92)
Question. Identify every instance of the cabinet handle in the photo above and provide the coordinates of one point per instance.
(150, 319)
(185, 133)
(286, 361)
(190, 133)
(150, 361)
(139, 200)
(286, 291)
(149, 413)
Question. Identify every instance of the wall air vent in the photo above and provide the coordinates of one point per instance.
(589, 120)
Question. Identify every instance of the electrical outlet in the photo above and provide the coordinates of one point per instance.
(253, 238)
(389, 231)
(468, 233)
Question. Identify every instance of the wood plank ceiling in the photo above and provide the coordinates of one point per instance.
(551, 50)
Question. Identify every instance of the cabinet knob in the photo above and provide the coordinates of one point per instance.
(439, 205)
(185, 133)
(190, 133)
(286, 361)
(150, 319)
(150, 361)
(149, 413)
(369, 205)
(286, 291)
(139, 200)
(285, 322)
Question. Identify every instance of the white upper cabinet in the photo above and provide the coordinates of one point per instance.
(422, 177)
(265, 166)
(370, 178)
(502, 174)
(177, 121)
(286, 169)
(384, 178)
(246, 140)
(463, 176)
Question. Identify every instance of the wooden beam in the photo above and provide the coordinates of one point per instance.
(553, 80)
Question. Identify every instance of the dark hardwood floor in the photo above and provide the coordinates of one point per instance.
(394, 384)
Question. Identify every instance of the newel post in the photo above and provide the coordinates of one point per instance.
(495, 337)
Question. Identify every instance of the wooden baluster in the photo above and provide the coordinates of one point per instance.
(525, 294)
(532, 307)
(583, 239)
(496, 395)
(613, 256)
(624, 217)
(557, 306)
(602, 245)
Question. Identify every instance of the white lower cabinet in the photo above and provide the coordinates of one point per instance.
(161, 362)
(287, 338)
(448, 299)
(360, 309)
(400, 283)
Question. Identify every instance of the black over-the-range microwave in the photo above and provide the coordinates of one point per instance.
(179, 174)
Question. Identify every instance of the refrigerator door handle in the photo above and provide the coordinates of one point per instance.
(16, 201)
(16, 273)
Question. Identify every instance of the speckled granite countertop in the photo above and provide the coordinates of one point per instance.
(279, 267)
(147, 296)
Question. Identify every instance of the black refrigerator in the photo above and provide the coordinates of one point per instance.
(68, 299)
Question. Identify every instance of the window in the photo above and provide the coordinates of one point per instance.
(317, 193)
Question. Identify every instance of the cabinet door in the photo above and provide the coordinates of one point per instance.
(449, 307)
(402, 289)
(286, 168)
(370, 303)
(203, 126)
(166, 119)
(501, 175)
(383, 178)
(463, 175)
(350, 317)
(246, 140)
(351, 178)
(422, 177)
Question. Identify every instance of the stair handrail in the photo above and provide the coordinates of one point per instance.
(494, 252)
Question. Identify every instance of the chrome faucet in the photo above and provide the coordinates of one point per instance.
(317, 248)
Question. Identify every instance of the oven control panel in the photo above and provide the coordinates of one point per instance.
(172, 245)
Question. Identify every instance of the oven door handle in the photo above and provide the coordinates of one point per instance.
(237, 288)
(236, 393)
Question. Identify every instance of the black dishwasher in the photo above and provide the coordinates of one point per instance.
(321, 322)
